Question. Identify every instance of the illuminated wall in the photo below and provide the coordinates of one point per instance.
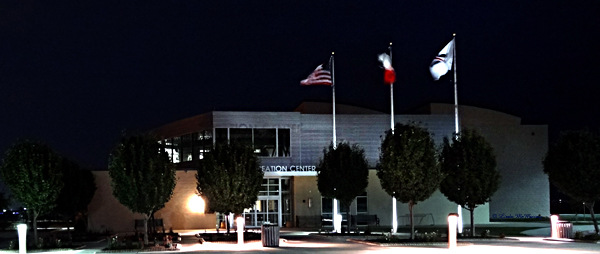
(107, 214)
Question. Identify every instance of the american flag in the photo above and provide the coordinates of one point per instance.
(319, 76)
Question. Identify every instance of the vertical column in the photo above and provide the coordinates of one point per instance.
(240, 229)
(22, 232)
(452, 223)
(279, 210)
(554, 226)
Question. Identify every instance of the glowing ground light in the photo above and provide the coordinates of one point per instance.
(196, 204)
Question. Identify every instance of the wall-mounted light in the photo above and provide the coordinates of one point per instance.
(196, 204)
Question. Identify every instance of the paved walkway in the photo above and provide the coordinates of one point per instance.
(293, 241)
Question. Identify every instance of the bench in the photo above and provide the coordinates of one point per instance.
(365, 220)
(357, 220)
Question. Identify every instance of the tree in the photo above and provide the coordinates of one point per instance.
(343, 173)
(229, 178)
(4, 201)
(77, 193)
(408, 168)
(143, 177)
(469, 166)
(573, 166)
(33, 173)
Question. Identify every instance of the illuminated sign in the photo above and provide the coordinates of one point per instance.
(292, 168)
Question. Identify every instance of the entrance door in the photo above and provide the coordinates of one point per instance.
(268, 208)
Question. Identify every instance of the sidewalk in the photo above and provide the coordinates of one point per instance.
(300, 241)
(304, 241)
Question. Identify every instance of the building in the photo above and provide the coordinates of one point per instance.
(290, 145)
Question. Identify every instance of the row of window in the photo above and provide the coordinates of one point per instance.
(266, 142)
(361, 205)
(273, 142)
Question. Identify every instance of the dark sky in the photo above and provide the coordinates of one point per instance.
(75, 74)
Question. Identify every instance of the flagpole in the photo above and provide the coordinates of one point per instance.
(456, 125)
(334, 215)
(391, 94)
(394, 210)
(331, 62)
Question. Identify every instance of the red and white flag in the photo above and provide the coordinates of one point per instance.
(389, 75)
(320, 76)
(442, 63)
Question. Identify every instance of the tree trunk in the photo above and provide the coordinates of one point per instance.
(34, 215)
(590, 206)
(69, 232)
(152, 223)
(472, 210)
(145, 229)
(412, 225)
(227, 223)
(218, 222)
(348, 219)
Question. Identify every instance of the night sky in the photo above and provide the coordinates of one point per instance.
(76, 74)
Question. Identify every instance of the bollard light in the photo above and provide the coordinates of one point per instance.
(338, 223)
(452, 224)
(22, 232)
(394, 216)
(460, 219)
(240, 229)
(554, 226)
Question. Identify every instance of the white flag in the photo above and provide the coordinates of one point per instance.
(442, 63)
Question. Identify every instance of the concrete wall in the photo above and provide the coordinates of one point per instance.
(107, 214)
(305, 191)
(177, 213)
(525, 189)
(431, 211)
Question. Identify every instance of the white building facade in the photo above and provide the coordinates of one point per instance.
(290, 144)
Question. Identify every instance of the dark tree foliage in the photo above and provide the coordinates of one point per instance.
(143, 177)
(343, 173)
(573, 166)
(469, 166)
(76, 194)
(33, 173)
(4, 201)
(229, 178)
(408, 168)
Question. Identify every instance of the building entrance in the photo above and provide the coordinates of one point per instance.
(273, 205)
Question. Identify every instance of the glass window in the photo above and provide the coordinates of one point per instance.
(284, 142)
(343, 210)
(326, 205)
(241, 136)
(264, 142)
(203, 144)
(186, 147)
(221, 135)
(361, 203)
(285, 184)
(269, 187)
(175, 155)
(169, 148)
